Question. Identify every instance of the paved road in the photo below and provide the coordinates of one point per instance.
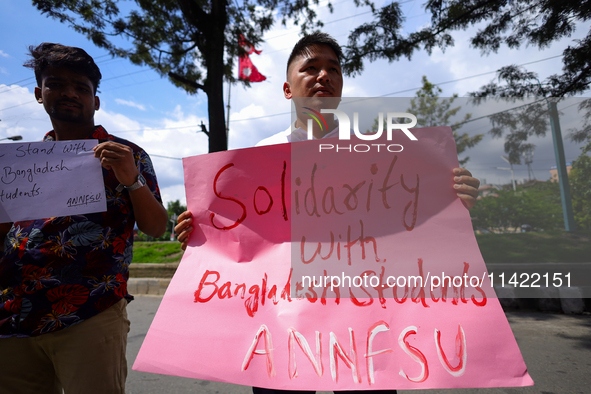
(556, 349)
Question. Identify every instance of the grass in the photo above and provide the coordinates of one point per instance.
(533, 247)
(536, 247)
(157, 252)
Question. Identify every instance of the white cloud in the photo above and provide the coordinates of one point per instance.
(173, 193)
(3, 54)
(166, 140)
(21, 114)
(131, 104)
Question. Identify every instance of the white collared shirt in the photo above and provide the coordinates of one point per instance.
(293, 134)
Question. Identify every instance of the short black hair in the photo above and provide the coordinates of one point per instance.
(310, 40)
(60, 56)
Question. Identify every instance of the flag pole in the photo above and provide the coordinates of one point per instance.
(228, 111)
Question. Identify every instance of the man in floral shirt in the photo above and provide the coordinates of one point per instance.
(63, 280)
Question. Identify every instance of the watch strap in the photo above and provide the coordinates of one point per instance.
(140, 182)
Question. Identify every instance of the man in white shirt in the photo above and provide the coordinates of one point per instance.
(314, 74)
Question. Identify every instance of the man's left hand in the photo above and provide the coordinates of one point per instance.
(466, 186)
(119, 158)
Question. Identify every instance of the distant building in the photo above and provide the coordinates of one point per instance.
(488, 190)
(554, 171)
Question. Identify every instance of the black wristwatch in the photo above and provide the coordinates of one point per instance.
(140, 182)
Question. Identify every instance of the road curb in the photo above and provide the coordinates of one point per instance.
(151, 286)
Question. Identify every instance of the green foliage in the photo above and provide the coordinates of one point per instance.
(518, 124)
(580, 187)
(175, 208)
(537, 23)
(156, 252)
(583, 133)
(539, 206)
(535, 247)
(141, 237)
(172, 208)
(505, 210)
(431, 111)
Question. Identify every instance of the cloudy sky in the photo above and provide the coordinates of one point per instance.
(139, 105)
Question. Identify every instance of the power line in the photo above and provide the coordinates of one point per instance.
(287, 113)
(472, 76)
(468, 121)
(106, 79)
(500, 112)
(337, 20)
(133, 84)
(18, 105)
(14, 88)
(33, 78)
(22, 80)
(413, 89)
(165, 157)
(125, 75)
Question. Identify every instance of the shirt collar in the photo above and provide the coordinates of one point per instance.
(99, 133)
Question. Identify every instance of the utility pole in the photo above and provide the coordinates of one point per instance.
(228, 111)
(567, 207)
(528, 158)
(510, 169)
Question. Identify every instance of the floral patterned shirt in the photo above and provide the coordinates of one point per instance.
(60, 271)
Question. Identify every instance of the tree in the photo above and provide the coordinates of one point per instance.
(432, 111)
(518, 124)
(583, 134)
(512, 23)
(172, 208)
(192, 42)
(580, 183)
(537, 206)
(175, 208)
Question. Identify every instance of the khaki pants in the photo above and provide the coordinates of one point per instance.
(86, 358)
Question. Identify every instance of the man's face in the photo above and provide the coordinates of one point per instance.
(67, 96)
(316, 73)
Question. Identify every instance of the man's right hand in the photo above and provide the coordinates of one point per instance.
(184, 228)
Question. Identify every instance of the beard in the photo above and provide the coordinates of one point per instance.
(76, 115)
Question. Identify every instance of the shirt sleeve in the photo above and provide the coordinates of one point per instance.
(146, 168)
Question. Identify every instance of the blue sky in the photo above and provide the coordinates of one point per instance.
(139, 105)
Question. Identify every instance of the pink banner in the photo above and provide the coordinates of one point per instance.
(349, 267)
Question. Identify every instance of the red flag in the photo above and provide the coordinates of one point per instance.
(246, 70)
(247, 46)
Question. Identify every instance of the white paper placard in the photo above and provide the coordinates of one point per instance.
(48, 179)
